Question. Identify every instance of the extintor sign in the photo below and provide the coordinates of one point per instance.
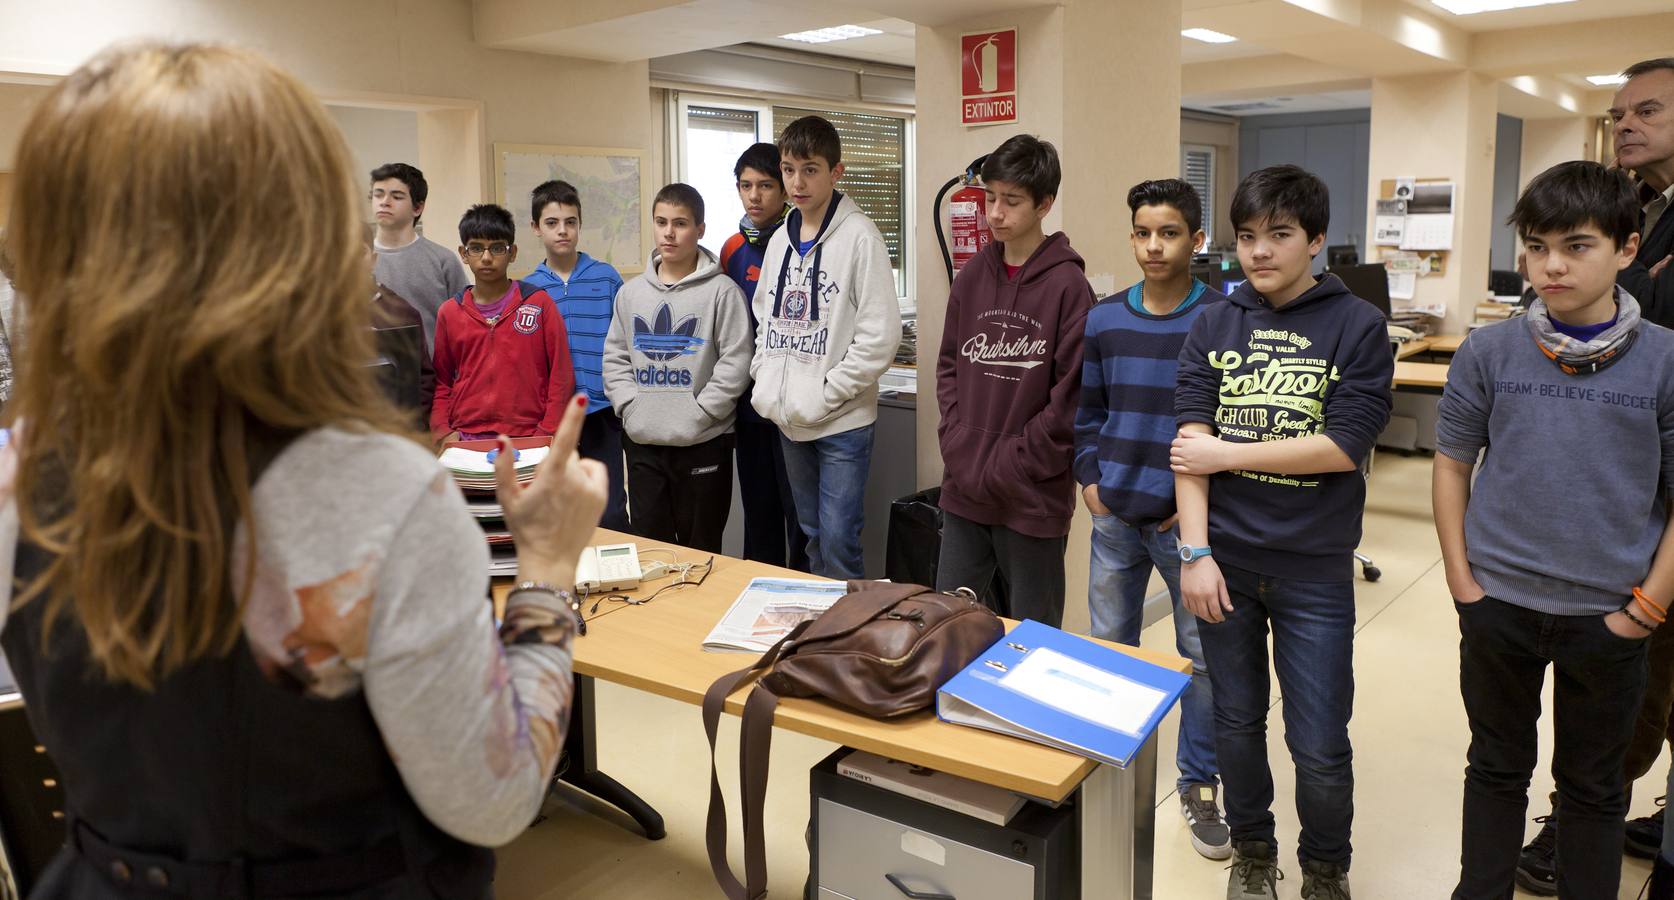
(988, 77)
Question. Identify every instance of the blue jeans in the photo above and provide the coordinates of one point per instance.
(828, 482)
(1122, 559)
(1313, 652)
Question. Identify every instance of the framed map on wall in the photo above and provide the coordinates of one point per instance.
(610, 182)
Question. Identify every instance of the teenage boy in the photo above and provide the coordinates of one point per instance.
(829, 328)
(1581, 383)
(1122, 434)
(502, 356)
(403, 365)
(417, 268)
(771, 532)
(675, 362)
(1006, 382)
(584, 290)
(1282, 392)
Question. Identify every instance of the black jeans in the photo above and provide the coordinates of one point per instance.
(601, 439)
(1503, 654)
(681, 494)
(772, 534)
(1033, 568)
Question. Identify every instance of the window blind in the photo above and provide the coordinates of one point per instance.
(1197, 168)
(874, 161)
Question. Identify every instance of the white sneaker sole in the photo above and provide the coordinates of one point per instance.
(1210, 851)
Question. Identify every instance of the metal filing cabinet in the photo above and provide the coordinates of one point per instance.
(870, 843)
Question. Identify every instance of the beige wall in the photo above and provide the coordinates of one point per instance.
(403, 52)
(1406, 140)
(1101, 80)
(1547, 142)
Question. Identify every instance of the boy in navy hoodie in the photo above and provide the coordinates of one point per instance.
(584, 290)
(1007, 379)
(1282, 393)
(771, 532)
(1131, 358)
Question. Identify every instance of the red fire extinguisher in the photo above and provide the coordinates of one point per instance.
(968, 224)
(967, 219)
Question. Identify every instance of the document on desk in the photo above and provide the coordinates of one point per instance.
(767, 611)
(1060, 689)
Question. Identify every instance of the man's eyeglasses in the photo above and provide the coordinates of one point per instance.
(498, 248)
(686, 575)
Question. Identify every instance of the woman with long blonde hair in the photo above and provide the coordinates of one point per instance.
(248, 614)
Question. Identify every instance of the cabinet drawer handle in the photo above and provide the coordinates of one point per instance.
(916, 895)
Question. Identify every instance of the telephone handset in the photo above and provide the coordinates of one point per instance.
(608, 567)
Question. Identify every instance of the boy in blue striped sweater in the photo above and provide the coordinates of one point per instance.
(1122, 433)
(584, 290)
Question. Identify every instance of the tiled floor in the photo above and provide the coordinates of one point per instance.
(1409, 736)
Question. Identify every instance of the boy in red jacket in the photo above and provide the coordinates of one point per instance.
(502, 355)
(1008, 380)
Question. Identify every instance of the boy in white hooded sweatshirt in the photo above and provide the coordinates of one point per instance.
(830, 325)
(676, 360)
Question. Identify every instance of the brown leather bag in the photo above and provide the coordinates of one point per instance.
(882, 650)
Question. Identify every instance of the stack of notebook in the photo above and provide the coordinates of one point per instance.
(473, 470)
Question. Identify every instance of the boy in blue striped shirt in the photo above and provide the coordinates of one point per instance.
(1122, 433)
(584, 290)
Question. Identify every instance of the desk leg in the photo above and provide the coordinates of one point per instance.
(583, 768)
(1118, 828)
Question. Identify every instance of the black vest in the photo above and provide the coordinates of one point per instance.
(220, 764)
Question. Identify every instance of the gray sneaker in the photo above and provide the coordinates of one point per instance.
(1210, 835)
(1255, 872)
(1324, 881)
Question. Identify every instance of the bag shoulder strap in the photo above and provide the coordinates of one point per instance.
(755, 742)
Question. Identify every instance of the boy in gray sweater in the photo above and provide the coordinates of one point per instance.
(676, 360)
(1571, 409)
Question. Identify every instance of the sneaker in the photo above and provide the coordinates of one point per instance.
(1255, 872)
(1210, 835)
(1324, 881)
(1644, 834)
(1537, 870)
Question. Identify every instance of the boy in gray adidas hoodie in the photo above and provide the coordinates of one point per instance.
(676, 360)
(830, 324)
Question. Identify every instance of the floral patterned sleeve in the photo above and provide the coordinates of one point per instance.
(369, 594)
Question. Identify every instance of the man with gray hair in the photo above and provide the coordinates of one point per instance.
(1643, 113)
(1643, 117)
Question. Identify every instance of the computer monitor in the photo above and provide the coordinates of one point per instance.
(1342, 255)
(1368, 281)
(1223, 274)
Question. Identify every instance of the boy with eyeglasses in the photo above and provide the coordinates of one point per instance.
(502, 355)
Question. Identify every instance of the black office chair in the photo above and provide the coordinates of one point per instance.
(1503, 283)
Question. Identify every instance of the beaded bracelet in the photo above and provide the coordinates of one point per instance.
(1628, 611)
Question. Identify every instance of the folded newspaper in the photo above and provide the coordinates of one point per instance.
(767, 611)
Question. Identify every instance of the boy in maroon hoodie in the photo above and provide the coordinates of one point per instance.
(502, 354)
(1008, 380)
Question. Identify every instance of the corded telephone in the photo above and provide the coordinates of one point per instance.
(608, 567)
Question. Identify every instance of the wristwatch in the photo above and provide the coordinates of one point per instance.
(1188, 553)
(564, 598)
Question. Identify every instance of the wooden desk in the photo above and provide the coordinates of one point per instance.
(657, 647)
(1420, 376)
(1413, 347)
(1446, 343)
